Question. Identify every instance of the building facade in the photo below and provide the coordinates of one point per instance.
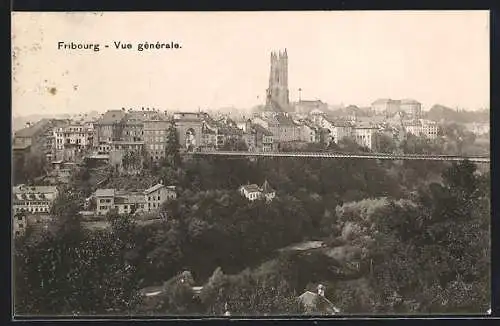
(155, 137)
(423, 128)
(33, 199)
(411, 108)
(386, 106)
(254, 192)
(158, 194)
(305, 106)
(189, 126)
(364, 134)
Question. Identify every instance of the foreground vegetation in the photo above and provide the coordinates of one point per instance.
(417, 232)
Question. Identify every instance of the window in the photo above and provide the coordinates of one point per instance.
(21, 225)
(19, 218)
(158, 197)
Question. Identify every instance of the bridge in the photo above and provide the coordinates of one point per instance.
(377, 156)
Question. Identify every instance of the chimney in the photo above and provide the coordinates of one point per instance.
(321, 290)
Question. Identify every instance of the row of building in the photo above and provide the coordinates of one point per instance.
(37, 201)
(118, 132)
(129, 202)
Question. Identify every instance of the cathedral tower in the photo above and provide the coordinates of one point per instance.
(277, 97)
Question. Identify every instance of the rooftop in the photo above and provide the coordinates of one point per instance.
(20, 147)
(112, 116)
(266, 188)
(384, 101)
(23, 189)
(284, 120)
(105, 193)
(260, 129)
(153, 188)
(409, 101)
(33, 130)
(251, 188)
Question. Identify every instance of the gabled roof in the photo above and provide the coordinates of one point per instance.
(105, 193)
(409, 101)
(23, 189)
(260, 129)
(284, 120)
(112, 116)
(266, 188)
(153, 188)
(251, 188)
(33, 130)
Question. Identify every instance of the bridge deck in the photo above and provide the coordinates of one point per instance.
(378, 156)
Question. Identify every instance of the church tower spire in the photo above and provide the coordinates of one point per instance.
(277, 98)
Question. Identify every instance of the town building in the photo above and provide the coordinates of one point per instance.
(155, 137)
(386, 106)
(61, 172)
(209, 137)
(157, 194)
(189, 126)
(317, 116)
(423, 128)
(363, 134)
(109, 127)
(253, 192)
(34, 139)
(33, 199)
(19, 224)
(133, 126)
(281, 125)
(105, 200)
(341, 129)
(258, 138)
(277, 94)
(305, 106)
(411, 108)
(308, 132)
(129, 202)
(71, 140)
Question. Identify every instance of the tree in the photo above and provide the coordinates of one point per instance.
(385, 143)
(172, 147)
(248, 293)
(235, 145)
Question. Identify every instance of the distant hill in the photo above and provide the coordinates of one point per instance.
(442, 113)
(19, 122)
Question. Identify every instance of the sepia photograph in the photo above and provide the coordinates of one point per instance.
(250, 164)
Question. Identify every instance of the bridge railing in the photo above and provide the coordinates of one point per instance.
(384, 156)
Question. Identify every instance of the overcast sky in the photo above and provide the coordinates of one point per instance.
(338, 57)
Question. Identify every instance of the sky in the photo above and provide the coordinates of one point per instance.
(338, 57)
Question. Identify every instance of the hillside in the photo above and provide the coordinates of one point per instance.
(442, 113)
